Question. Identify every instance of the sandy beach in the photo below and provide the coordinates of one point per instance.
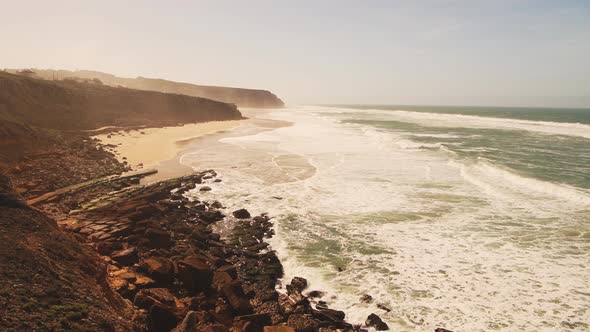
(150, 146)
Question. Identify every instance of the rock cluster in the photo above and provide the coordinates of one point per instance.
(70, 160)
(164, 258)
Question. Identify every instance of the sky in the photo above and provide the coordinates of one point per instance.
(436, 52)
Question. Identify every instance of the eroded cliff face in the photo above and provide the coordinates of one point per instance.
(33, 112)
(253, 98)
(70, 105)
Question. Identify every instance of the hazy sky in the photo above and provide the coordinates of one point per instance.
(469, 52)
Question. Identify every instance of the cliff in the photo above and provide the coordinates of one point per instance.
(241, 97)
(31, 109)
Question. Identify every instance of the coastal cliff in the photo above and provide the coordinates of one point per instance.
(252, 98)
(33, 111)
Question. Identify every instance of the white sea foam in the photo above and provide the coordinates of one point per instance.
(443, 242)
(474, 121)
(494, 176)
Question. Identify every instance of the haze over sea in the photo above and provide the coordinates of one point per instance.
(471, 218)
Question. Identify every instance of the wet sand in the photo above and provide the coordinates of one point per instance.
(163, 148)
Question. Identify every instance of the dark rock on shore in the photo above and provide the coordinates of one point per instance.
(376, 322)
(366, 298)
(241, 214)
(180, 274)
(298, 284)
(126, 257)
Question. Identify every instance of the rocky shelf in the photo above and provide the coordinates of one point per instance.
(180, 275)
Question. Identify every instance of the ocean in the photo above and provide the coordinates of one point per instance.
(468, 218)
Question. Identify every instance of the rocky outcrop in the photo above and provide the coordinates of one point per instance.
(49, 280)
(239, 96)
(376, 322)
(164, 257)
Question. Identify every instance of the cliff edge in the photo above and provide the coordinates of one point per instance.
(252, 98)
(33, 111)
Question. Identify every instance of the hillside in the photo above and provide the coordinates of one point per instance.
(49, 279)
(241, 97)
(31, 109)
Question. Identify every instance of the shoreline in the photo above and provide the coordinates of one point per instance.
(140, 226)
(164, 257)
(148, 147)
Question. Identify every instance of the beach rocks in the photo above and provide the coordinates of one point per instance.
(376, 322)
(195, 274)
(162, 317)
(241, 214)
(159, 268)
(211, 215)
(366, 298)
(316, 294)
(331, 316)
(158, 238)
(383, 307)
(146, 298)
(234, 294)
(298, 284)
(126, 257)
(191, 278)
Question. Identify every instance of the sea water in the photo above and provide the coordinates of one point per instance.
(473, 219)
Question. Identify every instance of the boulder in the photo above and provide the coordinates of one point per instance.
(205, 188)
(230, 269)
(211, 215)
(299, 284)
(126, 257)
(236, 298)
(316, 294)
(162, 318)
(366, 298)
(158, 238)
(217, 205)
(241, 214)
(195, 274)
(104, 248)
(146, 298)
(159, 268)
(376, 322)
(330, 315)
(383, 307)
(221, 279)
